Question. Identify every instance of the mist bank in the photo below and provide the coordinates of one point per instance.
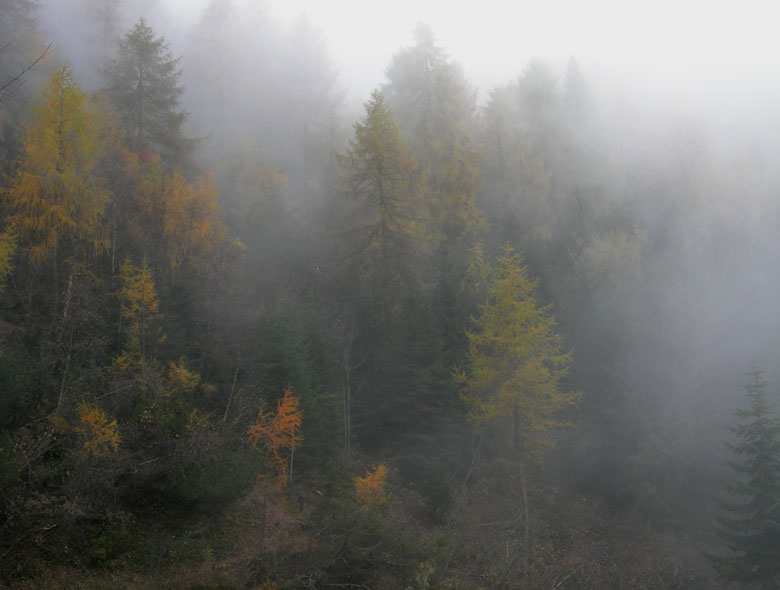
(238, 221)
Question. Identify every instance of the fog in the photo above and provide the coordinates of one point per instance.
(683, 127)
(627, 150)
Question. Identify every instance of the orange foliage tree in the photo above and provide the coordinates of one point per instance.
(370, 489)
(278, 433)
(99, 435)
(140, 308)
(173, 222)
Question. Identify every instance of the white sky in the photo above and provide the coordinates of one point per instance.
(671, 43)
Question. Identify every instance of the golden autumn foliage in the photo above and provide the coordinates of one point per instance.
(7, 249)
(386, 223)
(279, 432)
(370, 489)
(175, 222)
(140, 307)
(100, 436)
(56, 200)
(180, 378)
(516, 360)
(191, 226)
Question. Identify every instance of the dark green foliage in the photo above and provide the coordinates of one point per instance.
(143, 85)
(293, 349)
(750, 520)
(23, 382)
(207, 475)
(356, 546)
(426, 471)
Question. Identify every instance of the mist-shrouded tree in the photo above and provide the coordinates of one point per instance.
(516, 360)
(515, 367)
(143, 84)
(750, 519)
(384, 225)
(22, 71)
(313, 102)
(56, 199)
(434, 104)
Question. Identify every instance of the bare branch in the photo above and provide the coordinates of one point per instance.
(23, 72)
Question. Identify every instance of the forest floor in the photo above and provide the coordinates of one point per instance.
(578, 544)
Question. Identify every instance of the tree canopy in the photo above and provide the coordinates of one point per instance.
(143, 84)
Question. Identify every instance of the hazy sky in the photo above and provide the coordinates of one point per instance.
(667, 40)
(675, 45)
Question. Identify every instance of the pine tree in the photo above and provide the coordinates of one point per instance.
(143, 84)
(750, 522)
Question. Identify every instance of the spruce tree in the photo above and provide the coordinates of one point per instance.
(143, 84)
(750, 519)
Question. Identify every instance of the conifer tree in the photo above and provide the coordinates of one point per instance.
(750, 519)
(435, 104)
(7, 249)
(515, 367)
(385, 222)
(56, 200)
(143, 83)
(140, 309)
(516, 360)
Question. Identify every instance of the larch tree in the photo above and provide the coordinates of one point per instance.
(140, 311)
(143, 84)
(749, 522)
(515, 367)
(385, 223)
(277, 434)
(516, 360)
(56, 199)
(7, 250)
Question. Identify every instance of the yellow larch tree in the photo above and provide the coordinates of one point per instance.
(173, 222)
(56, 199)
(7, 250)
(516, 360)
(385, 224)
(140, 309)
(515, 367)
(99, 436)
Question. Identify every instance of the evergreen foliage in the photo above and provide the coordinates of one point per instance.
(143, 84)
(750, 519)
(129, 393)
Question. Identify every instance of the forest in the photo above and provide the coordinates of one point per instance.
(256, 335)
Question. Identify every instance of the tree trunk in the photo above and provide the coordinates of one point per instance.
(517, 452)
(348, 393)
(67, 340)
